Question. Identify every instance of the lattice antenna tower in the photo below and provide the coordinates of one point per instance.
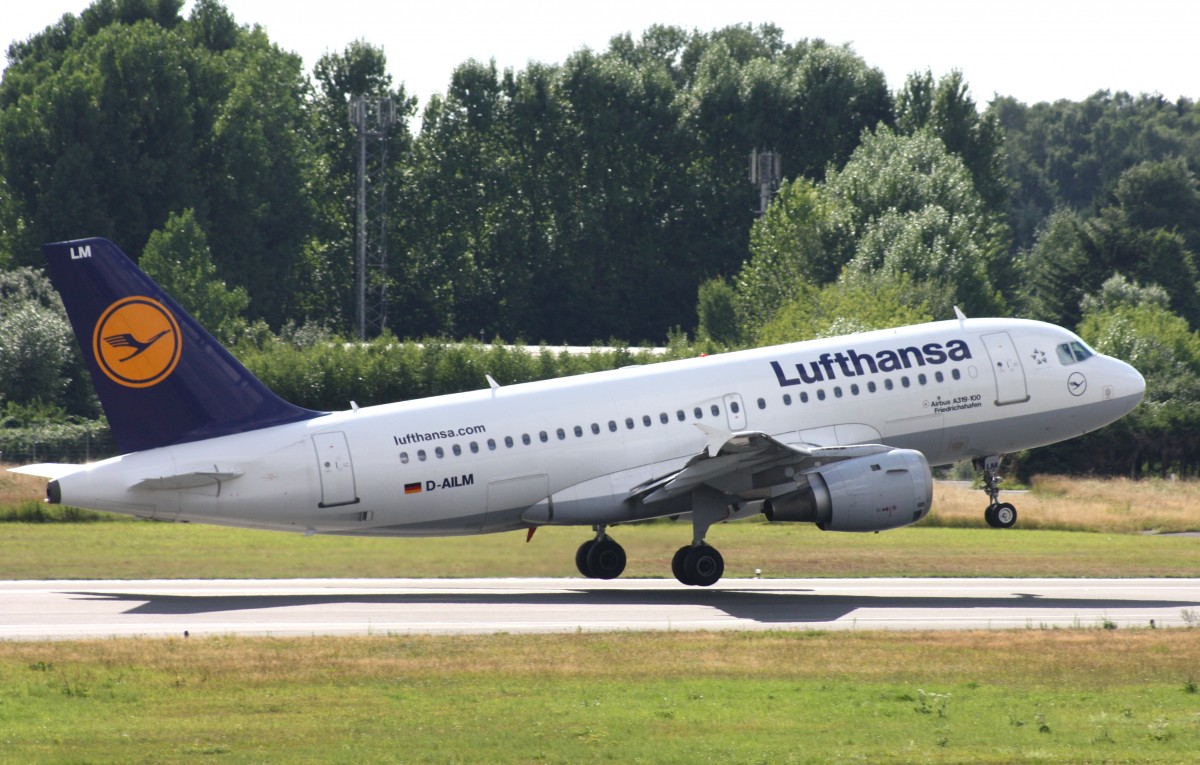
(373, 119)
(766, 173)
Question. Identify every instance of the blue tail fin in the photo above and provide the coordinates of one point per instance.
(161, 378)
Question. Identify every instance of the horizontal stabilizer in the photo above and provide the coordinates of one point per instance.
(193, 480)
(50, 470)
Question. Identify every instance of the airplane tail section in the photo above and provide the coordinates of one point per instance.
(162, 379)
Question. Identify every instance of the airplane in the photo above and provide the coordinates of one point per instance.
(839, 431)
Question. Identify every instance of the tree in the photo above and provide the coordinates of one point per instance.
(112, 120)
(841, 308)
(178, 258)
(947, 109)
(788, 250)
(38, 360)
(904, 204)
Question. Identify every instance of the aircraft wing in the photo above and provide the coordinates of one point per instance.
(746, 464)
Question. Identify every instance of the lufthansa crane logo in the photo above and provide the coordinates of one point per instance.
(137, 342)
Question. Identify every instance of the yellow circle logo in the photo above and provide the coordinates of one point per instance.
(137, 342)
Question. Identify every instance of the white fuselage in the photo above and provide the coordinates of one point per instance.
(569, 451)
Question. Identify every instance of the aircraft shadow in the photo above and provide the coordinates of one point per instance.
(765, 607)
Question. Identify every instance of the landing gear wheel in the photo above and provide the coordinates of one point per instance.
(701, 565)
(999, 515)
(1005, 515)
(605, 559)
(677, 563)
(581, 558)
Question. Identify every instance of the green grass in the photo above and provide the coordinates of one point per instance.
(137, 550)
(802, 697)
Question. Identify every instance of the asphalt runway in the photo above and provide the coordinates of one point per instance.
(48, 610)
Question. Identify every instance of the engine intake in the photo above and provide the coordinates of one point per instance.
(872, 493)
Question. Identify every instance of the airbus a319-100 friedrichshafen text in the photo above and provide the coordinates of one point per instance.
(839, 432)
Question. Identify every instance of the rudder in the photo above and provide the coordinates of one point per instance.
(161, 377)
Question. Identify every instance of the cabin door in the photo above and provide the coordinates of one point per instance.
(336, 469)
(1007, 369)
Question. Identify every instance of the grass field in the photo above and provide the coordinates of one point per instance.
(803, 697)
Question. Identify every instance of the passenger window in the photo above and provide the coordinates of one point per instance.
(733, 407)
(821, 394)
(439, 452)
(403, 458)
(474, 448)
(646, 420)
(491, 444)
(803, 397)
(679, 415)
(762, 404)
(716, 410)
(905, 381)
(525, 439)
(854, 389)
(922, 379)
(698, 412)
(957, 375)
(663, 418)
(612, 426)
(543, 437)
(787, 399)
(421, 455)
(595, 428)
(629, 423)
(578, 432)
(562, 434)
(871, 387)
(939, 377)
(837, 391)
(508, 442)
(457, 450)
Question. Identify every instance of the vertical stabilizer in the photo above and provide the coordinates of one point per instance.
(161, 377)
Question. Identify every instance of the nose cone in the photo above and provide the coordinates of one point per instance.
(1129, 386)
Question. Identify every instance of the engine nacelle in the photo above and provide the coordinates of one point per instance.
(872, 493)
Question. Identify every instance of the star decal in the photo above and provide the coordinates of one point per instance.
(1038, 356)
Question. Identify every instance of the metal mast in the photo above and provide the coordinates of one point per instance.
(765, 172)
(373, 118)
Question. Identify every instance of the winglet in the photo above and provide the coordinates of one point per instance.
(179, 384)
(716, 438)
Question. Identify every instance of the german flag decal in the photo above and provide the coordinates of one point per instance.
(412, 488)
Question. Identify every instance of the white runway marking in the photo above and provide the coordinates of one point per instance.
(41, 610)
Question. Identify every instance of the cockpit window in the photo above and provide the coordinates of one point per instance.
(1074, 352)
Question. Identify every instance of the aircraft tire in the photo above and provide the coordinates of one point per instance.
(606, 559)
(581, 558)
(989, 515)
(703, 566)
(1005, 515)
(677, 563)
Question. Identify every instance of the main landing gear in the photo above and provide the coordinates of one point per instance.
(698, 564)
(999, 515)
(600, 558)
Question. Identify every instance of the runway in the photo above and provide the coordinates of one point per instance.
(50, 610)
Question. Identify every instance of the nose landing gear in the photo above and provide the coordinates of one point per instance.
(999, 515)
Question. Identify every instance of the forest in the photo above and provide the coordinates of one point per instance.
(604, 199)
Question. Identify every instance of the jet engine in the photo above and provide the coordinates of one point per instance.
(871, 493)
